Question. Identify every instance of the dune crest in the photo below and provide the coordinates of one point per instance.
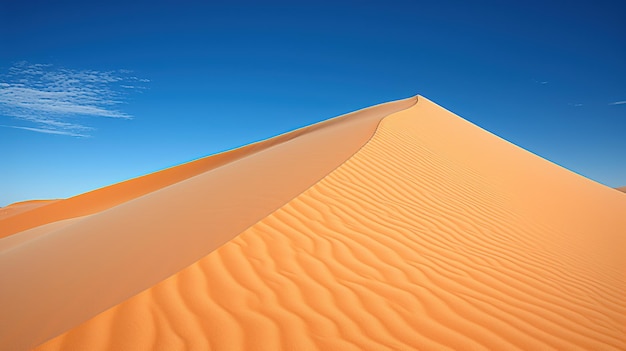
(116, 194)
(434, 235)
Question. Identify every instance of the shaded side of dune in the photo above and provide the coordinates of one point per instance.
(429, 237)
(57, 275)
(622, 189)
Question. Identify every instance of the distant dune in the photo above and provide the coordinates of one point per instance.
(20, 207)
(397, 227)
(622, 189)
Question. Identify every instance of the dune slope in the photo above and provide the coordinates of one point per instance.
(57, 275)
(434, 235)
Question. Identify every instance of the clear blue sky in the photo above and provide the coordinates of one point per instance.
(95, 94)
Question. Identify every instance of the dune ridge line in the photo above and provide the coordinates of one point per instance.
(115, 194)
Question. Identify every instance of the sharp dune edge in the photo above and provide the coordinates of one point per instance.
(425, 232)
(98, 200)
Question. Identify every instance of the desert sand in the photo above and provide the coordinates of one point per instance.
(397, 227)
(622, 189)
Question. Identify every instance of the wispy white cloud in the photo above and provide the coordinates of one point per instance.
(618, 103)
(58, 100)
(49, 131)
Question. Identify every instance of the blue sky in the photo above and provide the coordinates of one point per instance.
(95, 94)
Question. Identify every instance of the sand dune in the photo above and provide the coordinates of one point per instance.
(431, 234)
(622, 189)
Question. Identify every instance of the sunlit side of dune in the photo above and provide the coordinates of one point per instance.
(434, 235)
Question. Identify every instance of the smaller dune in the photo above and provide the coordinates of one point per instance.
(21, 207)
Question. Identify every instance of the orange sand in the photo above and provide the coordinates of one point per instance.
(434, 235)
(622, 189)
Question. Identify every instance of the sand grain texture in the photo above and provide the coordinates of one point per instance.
(434, 235)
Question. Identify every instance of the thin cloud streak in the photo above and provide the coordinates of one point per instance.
(48, 131)
(51, 98)
(618, 103)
